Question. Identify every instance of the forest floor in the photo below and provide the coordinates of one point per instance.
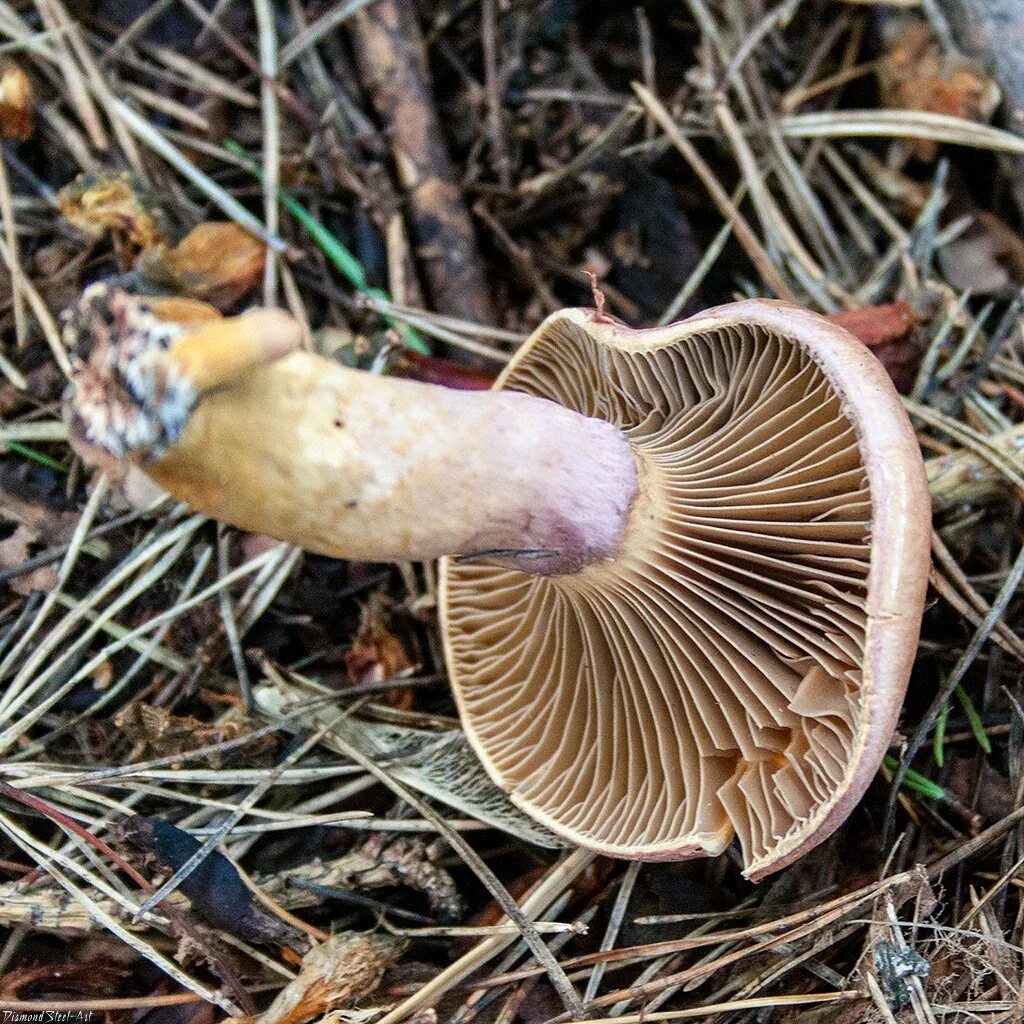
(171, 689)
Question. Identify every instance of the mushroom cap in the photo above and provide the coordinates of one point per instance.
(738, 668)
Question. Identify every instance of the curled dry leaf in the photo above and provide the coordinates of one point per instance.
(987, 258)
(28, 525)
(218, 262)
(14, 550)
(917, 75)
(17, 113)
(157, 733)
(112, 203)
(336, 974)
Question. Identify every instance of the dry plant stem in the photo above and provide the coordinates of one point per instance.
(341, 462)
(393, 66)
(965, 478)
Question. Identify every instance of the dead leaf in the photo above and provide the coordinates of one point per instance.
(917, 75)
(112, 203)
(217, 262)
(157, 732)
(17, 112)
(14, 550)
(33, 525)
(889, 332)
(377, 653)
(336, 974)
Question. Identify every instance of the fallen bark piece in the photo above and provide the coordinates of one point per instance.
(335, 975)
(393, 66)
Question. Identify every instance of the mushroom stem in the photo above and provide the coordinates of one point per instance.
(346, 463)
(352, 465)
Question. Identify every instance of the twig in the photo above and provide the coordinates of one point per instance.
(393, 66)
(744, 235)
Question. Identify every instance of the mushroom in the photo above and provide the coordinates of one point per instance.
(686, 566)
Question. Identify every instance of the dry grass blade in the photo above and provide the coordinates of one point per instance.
(899, 124)
(746, 237)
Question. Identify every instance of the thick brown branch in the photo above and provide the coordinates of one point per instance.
(393, 67)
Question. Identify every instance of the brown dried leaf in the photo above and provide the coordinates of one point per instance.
(98, 204)
(889, 332)
(33, 525)
(156, 731)
(377, 653)
(217, 262)
(336, 974)
(14, 550)
(917, 75)
(17, 113)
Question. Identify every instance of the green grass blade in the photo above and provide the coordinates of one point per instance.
(342, 258)
(30, 453)
(915, 781)
(974, 720)
(940, 735)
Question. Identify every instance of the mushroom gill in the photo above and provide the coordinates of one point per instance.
(738, 667)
